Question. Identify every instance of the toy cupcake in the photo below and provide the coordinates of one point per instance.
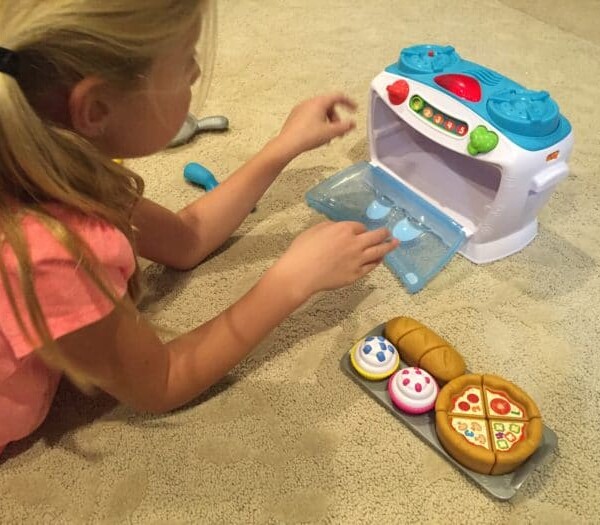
(374, 358)
(413, 390)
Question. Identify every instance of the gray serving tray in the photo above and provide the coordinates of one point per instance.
(502, 487)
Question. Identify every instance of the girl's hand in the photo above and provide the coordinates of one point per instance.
(315, 122)
(332, 255)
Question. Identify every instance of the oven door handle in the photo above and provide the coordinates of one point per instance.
(549, 177)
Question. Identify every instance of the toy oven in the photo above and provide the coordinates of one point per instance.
(461, 159)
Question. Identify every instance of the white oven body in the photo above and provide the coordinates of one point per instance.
(495, 196)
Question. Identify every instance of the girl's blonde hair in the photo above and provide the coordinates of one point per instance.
(60, 42)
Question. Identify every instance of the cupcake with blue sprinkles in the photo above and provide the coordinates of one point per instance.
(374, 358)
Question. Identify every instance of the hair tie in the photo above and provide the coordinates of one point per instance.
(9, 62)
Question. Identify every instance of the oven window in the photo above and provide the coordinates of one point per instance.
(462, 186)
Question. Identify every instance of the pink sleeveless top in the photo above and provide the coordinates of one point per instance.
(69, 301)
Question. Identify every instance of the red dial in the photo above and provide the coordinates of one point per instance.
(398, 92)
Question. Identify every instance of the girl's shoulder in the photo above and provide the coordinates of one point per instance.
(109, 245)
(69, 299)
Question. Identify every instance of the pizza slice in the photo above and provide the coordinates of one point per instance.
(474, 431)
(467, 440)
(469, 402)
(514, 442)
(505, 434)
(505, 400)
(499, 404)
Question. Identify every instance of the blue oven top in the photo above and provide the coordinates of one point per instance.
(531, 119)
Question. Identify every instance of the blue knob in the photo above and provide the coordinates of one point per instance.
(405, 232)
(199, 175)
(376, 211)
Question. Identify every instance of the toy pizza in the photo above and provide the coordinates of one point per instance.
(487, 423)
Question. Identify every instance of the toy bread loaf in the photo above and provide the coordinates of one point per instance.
(422, 347)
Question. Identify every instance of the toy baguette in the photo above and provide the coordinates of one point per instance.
(422, 347)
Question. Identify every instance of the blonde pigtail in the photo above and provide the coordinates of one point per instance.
(44, 162)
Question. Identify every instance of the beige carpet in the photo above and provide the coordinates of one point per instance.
(286, 437)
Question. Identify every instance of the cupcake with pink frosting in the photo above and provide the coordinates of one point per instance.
(413, 390)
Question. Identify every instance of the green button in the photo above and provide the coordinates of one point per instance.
(416, 103)
(482, 141)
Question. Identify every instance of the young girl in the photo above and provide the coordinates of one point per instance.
(85, 81)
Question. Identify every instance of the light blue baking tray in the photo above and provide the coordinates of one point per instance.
(368, 194)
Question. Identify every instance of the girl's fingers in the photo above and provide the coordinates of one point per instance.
(378, 252)
(367, 268)
(330, 100)
(373, 237)
(332, 115)
(340, 128)
(356, 227)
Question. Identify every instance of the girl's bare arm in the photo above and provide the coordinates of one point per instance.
(125, 358)
(182, 240)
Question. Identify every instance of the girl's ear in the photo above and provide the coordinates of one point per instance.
(89, 107)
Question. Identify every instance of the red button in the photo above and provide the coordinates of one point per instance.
(398, 92)
(462, 86)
